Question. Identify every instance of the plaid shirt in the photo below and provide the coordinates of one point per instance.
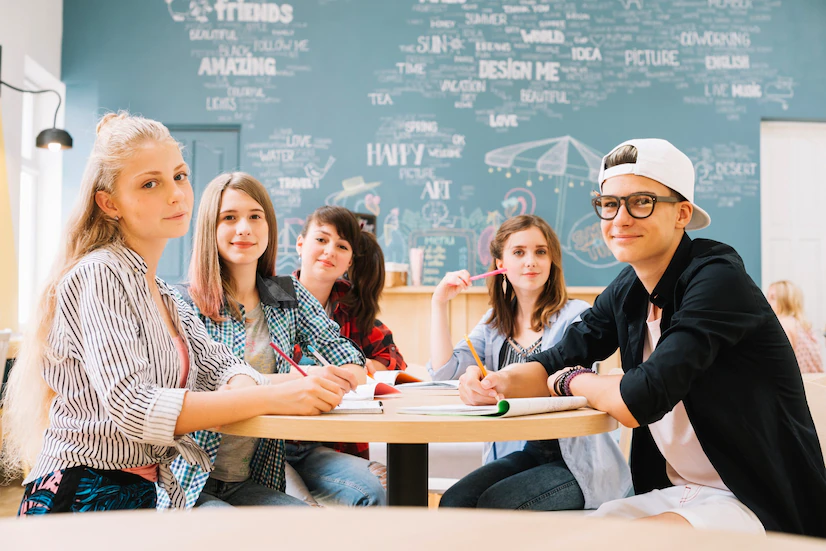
(377, 345)
(290, 320)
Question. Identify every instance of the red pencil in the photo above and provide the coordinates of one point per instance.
(488, 274)
(290, 360)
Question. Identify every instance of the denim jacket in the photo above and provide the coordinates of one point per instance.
(595, 461)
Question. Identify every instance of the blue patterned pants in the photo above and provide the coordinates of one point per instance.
(81, 489)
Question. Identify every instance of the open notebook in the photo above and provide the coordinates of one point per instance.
(430, 385)
(370, 390)
(395, 377)
(373, 406)
(511, 407)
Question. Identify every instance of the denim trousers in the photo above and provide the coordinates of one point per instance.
(534, 479)
(336, 478)
(239, 494)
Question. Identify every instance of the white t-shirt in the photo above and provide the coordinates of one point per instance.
(686, 462)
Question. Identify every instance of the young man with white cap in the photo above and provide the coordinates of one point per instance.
(723, 437)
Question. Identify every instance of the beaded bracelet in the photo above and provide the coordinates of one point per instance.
(561, 385)
(558, 384)
(566, 384)
(557, 387)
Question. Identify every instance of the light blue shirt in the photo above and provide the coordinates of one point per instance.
(595, 461)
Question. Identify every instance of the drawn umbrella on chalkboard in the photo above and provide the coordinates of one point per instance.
(569, 169)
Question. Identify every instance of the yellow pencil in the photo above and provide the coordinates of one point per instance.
(476, 357)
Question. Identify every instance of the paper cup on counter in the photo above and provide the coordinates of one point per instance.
(395, 274)
(416, 265)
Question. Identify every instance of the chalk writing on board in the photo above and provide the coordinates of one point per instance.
(240, 50)
(725, 174)
(445, 250)
(288, 163)
(512, 62)
(418, 147)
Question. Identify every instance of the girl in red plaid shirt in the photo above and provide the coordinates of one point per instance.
(331, 245)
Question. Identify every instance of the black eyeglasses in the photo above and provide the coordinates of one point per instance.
(639, 205)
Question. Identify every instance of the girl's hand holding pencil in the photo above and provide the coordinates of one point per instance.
(476, 389)
(342, 376)
(477, 386)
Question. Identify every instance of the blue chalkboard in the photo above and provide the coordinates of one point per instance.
(444, 117)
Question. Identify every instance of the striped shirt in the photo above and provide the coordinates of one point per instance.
(291, 320)
(115, 370)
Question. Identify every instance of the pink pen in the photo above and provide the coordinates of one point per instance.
(289, 360)
(488, 274)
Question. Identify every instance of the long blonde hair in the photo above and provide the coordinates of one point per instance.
(28, 398)
(502, 296)
(210, 284)
(789, 299)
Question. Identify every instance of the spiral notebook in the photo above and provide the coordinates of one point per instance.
(510, 407)
(430, 385)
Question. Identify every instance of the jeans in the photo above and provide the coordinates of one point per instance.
(534, 479)
(240, 494)
(335, 478)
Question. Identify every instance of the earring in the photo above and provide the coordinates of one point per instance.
(117, 218)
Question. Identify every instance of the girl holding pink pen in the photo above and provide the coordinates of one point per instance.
(259, 316)
(530, 312)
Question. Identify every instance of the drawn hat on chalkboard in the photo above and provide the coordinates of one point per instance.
(661, 161)
(354, 186)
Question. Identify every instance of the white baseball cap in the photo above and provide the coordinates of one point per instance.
(661, 161)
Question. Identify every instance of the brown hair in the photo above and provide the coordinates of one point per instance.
(502, 297)
(27, 399)
(367, 270)
(627, 154)
(210, 284)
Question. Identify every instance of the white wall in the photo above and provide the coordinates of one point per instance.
(32, 28)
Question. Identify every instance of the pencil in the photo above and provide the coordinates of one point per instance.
(317, 356)
(322, 359)
(289, 360)
(488, 274)
(476, 357)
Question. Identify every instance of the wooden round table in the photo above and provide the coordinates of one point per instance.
(373, 529)
(408, 436)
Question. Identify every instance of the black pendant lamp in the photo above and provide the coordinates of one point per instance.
(53, 139)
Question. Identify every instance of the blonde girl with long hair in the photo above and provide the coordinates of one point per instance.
(786, 299)
(100, 400)
(244, 305)
(530, 312)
